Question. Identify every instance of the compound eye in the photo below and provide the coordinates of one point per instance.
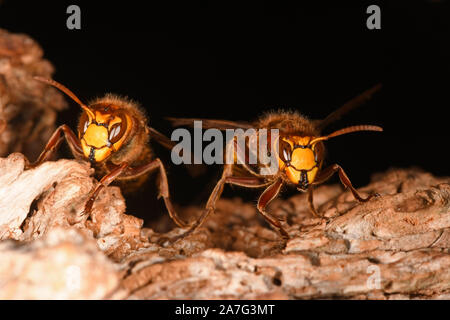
(285, 151)
(115, 133)
(86, 124)
(83, 124)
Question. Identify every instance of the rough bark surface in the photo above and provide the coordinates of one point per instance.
(395, 246)
(28, 108)
(65, 264)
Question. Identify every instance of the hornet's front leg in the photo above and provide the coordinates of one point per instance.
(163, 185)
(311, 202)
(125, 172)
(227, 178)
(329, 171)
(104, 182)
(55, 141)
(266, 197)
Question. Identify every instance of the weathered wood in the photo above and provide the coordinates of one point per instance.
(28, 108)
(395, 246)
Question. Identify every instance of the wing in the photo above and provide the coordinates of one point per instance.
(193, 169)
(348, 106)
(209, 123)
(161, 139)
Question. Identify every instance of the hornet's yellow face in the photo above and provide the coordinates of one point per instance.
(102, 131)
(299, 159)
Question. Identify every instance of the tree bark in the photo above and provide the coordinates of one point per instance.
(395, 246)
(28, 108)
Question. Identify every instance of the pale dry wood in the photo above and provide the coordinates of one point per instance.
(404, 236)
(19, 188)
(64, 264)
(34, 201)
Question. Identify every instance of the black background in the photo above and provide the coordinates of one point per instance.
(228, 60)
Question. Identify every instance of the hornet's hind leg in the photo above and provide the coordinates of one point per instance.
(125, 172)
(63, 132)
(248, 182)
